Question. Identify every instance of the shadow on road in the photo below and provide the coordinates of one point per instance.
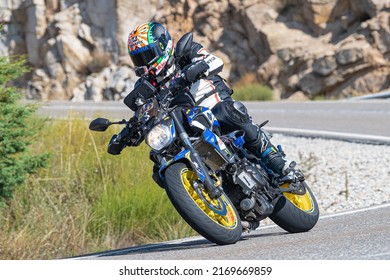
(193, 244)
(163, 247)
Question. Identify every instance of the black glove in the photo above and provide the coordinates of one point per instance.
(117, 143)
(178, 83)
(193, 71)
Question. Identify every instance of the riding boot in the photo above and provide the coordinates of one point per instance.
(272, 158)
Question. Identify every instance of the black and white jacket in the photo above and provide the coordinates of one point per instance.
(212, 88)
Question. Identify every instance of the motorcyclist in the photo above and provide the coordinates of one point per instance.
(151, 50)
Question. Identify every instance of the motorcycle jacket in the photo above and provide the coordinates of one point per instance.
(211, 88)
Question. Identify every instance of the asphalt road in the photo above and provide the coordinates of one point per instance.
(369, 117)
(356, 235)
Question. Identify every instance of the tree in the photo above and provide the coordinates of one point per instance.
(16, 130)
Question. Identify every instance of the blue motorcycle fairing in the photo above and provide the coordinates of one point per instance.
(208, 136)
(216, 142)
(197, 116)
(185, 154)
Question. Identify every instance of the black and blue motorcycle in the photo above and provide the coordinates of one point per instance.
(220, 188)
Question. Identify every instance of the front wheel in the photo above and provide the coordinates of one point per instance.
(296, 213)
(215, 219)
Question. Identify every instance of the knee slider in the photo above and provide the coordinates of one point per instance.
(238, 113)
(231, 114)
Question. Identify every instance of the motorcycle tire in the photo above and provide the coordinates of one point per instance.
(222, 229)
(296, 213)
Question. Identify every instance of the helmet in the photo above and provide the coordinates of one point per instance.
(150, 45)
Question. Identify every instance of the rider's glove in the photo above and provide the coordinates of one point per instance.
(176, 85)
(195, 70)
(118, 142)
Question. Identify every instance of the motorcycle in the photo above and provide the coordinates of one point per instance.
(218, 186)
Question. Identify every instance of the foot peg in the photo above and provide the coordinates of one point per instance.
(288, 167)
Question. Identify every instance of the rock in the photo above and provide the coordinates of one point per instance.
(348, 56)
(129, 15)
(68, 21)
(325, 65)
(79, 93)
(73, 53)
(95, 86)
(311, 84)
(330, 48)
(118, 81)
(84, 32)
(369, 7)
(35, 28)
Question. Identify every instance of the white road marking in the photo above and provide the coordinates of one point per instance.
(330, 135)
(355, 211)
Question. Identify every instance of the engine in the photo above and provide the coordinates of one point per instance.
(248, 189)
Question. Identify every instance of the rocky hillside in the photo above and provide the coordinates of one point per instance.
(300, 48)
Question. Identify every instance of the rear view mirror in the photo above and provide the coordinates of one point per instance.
(183, 46)
(99, 124)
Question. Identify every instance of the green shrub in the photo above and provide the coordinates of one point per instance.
(252, 92)
(17, 131)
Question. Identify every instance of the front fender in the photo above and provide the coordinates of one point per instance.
(186, 157)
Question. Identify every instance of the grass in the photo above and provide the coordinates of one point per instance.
(253, 92)
(87, 200)
(248, 88)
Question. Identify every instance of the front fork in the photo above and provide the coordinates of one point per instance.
(196, 161)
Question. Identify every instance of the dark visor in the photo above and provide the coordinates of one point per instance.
(144, 56)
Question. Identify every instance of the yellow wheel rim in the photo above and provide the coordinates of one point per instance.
(228, 221)
(303, 202)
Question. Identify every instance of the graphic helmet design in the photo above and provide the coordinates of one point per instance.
(150, 45)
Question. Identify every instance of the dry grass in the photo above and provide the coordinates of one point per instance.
(87, 200)
(248, 88)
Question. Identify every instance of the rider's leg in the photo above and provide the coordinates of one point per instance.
(233, 115)
(270, 156)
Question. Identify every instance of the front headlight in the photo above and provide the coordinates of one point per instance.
(159, 137)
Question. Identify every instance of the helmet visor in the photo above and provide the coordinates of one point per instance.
(145, 56)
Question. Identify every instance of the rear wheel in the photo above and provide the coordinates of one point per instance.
(215, 219)
(296, 213)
